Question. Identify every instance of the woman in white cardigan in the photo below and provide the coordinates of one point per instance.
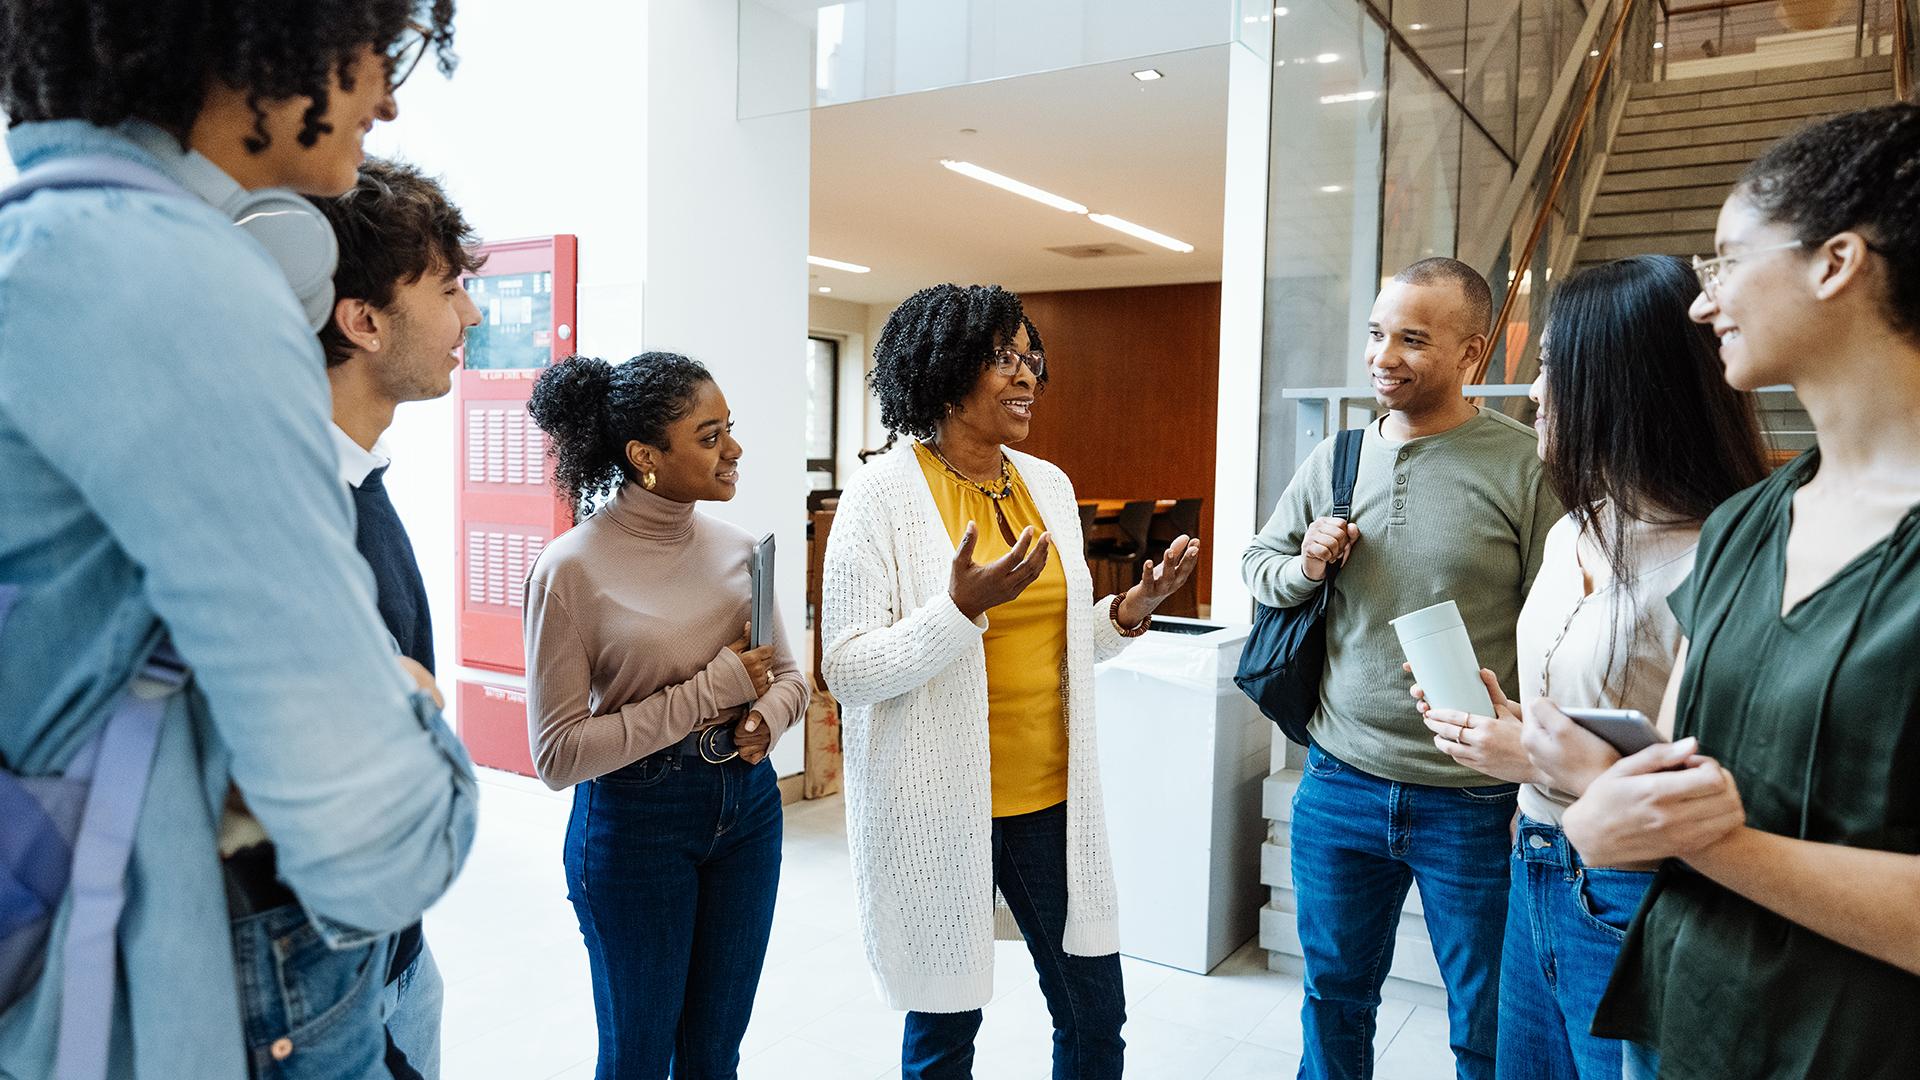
(963, 655)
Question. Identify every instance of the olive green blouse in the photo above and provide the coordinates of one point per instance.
(1817, 715)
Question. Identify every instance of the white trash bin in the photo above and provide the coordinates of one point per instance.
(1183, 755)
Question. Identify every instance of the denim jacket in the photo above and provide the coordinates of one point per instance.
(165, 467)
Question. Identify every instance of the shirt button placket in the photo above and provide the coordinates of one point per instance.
(1402, 471)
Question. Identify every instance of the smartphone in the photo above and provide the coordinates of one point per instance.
(1626, 730)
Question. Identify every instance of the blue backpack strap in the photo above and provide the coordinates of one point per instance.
(119, 771)
(1346, 470)
(91, 171)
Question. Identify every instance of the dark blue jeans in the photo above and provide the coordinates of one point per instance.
(672, 864)
(1565, 924)
(1359, 841)
(1084, 993)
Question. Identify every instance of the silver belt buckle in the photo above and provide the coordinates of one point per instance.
(707, 740)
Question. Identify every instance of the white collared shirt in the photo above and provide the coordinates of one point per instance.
(355, 461)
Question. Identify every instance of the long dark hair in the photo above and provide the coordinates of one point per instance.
(1645, 427)
(591, 409)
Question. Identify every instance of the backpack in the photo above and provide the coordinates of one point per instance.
(70, 835)
(1286, 653)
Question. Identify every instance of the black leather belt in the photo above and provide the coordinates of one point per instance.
(253, 886)
(712, 745)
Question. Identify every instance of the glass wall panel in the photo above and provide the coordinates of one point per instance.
(1437, 30)
(1421, 211)
(1323, 223)
(1493, 63)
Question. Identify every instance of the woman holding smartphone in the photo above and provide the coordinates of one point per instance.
(1781, 937)
(1642, 438)
(643, 693)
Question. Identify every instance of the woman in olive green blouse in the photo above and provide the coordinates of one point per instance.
(1782, 936)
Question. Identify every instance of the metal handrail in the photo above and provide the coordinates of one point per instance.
(1902, 51)
(1520, 267)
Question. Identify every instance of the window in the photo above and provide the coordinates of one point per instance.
(823, 394)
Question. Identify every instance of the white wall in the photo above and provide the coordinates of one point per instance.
(692, 232)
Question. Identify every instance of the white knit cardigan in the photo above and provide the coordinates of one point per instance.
(909, 671)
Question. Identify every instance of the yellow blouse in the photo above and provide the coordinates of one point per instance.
(1026, 642)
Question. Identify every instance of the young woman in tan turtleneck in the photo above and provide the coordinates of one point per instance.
(642, 693)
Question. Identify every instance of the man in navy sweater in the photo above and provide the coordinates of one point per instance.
(399, 316)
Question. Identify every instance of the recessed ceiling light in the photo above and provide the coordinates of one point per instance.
(836, 264)
(1141, 231)
(1595, 52)
(1659, 44)
(826, 288)
(1418, 26)
(1280, 11)
(1148, 75)
(1326, 58)
(1359, 95)
(1331, 189)
(1008, 183)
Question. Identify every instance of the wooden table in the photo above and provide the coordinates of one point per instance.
(1107, 511)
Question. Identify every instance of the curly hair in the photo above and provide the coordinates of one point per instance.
(591, 409)
(394, 226)
(105, 61)
(1859, 170)
(933, 349)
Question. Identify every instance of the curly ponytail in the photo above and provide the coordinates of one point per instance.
(591, 410)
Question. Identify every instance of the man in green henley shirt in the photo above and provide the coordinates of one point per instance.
(1450, 504)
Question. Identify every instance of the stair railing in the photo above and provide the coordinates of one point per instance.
(1519, 272)
(1735, 19)
(1906, 14)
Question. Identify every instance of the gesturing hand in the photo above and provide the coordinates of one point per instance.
(976, 588)
(1328, 541)
(753, 738)
(1161, 581)
(758, 662)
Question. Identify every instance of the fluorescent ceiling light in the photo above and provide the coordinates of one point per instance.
(1141, 231)
(1148, 75)
(1008, 183)
(1418, 26)
(1331, 189)
(1595, 52)
(1659, 44)
(1327, 58)
(836, 264)
(1360, 95)
(826, 288)
(1280, 11)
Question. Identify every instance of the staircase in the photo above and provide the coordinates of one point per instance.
(1683, 142)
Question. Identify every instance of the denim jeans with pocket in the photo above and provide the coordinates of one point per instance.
(1085, 995)
(413, 1004)
(310, 1012)
(672, 865)
(1359, 842)
(1565, 924)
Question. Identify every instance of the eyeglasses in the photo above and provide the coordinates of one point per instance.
(406, 53)
(1711, 271)
(1007, 360)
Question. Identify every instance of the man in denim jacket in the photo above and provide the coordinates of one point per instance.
(166, 469)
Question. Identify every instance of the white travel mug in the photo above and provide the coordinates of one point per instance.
(1436, 643)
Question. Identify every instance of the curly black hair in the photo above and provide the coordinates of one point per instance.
(591, 409)
(933, 349)
(1861, 171)
(105, 61)
(394, 225)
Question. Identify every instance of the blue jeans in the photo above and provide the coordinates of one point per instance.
(672, 865)
(1565, 923)
(309, 1012)
(1359, 841)
(1084, 993)
(412, 1006)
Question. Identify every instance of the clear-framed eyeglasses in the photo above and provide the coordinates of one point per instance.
(1711, 271)
(1007, 360)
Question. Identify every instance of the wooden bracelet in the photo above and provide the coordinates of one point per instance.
(1113, 616)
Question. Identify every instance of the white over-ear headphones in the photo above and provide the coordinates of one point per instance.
(292, 230)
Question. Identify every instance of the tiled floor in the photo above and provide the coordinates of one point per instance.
(520, 1007)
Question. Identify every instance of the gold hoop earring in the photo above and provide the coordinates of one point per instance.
(648, 481)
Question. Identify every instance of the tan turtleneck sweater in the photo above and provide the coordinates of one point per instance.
(628, 619)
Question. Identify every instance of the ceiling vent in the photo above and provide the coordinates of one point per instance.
(1095, 251)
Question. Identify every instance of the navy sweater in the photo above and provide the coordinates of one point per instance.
(402, 594)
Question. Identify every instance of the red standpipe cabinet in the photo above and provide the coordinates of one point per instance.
(506, 511)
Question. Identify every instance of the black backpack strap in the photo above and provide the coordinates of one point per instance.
(1346, 470)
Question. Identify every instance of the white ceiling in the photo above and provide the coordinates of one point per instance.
(1153, 153)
